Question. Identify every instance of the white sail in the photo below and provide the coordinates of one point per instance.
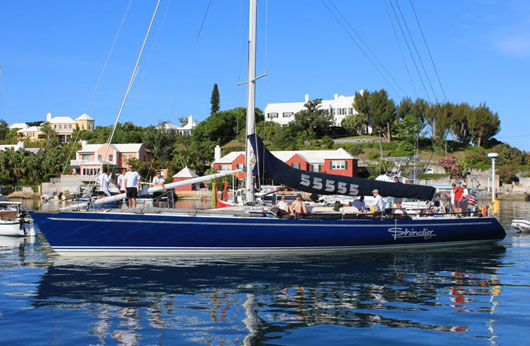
(155, 189)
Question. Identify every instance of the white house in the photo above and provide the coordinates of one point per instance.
(184, 130)
(283, 113)
(18, 126)
(18, 146)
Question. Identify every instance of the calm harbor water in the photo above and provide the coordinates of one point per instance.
(467, 295)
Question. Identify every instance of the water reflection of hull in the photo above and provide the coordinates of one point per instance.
(84, 233)
(13, 242)
(99, 280)
(267, 297)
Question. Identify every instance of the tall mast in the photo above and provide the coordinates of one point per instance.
(251, 99)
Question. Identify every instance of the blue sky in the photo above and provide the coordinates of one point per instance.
(52, 53)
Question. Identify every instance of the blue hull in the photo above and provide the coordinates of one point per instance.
(91, 233)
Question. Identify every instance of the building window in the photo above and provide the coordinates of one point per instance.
(54, 126)
(82, 126)
(86, 157)
(100, 158)
(295, 165)
(240, 166)
(288, 114)
(225, 167)
(111, 157)
(316, 168)
(350, 111)
(337, 164)
(272, 115)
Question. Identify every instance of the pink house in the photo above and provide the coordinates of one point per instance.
(89, 158)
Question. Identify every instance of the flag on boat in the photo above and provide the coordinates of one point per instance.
(472, 198)
(329, 184)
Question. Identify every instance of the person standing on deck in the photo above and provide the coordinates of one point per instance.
(452, 201)
(458, 198)
(379, 204)
(465, 198)
(132, 182)
(158, 180)
(104, 180)
(121, 181)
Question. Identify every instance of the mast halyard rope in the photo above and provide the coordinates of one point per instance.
(131, 80)
(96, 88)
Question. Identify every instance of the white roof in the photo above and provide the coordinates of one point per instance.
(16, 147)
(18, 126)
(123, 148)
(30, 129)
(84, 116)
(230, 157)
(311, 156)
(61, 120)
(185, 173)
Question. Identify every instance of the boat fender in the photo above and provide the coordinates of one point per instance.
(496, 206)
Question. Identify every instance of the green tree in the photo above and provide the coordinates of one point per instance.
(362, 108)
(314, 121)
(4, 129)
(355, 124)
(459, 125)
(383, 111)
(410, 119)
(215, 100)
(159, 142)
(483, 124)
(439, 117)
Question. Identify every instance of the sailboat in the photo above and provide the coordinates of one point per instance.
(253, 230)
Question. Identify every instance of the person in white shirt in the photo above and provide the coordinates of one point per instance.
(121, 181)
(104, 180)
(132, 182)
(158, 180)
(379, 203)
(283, 205)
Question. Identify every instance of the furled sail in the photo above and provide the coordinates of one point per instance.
(329, 184)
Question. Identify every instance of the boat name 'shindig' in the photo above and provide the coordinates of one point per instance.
(399, 232)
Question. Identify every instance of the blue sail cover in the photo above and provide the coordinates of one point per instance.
(329, 184)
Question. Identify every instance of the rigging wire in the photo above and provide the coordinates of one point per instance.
(416, 50)
(155, 43)
(428, 50)
(401, 49)
(98, 83)
(361, 49)
(410, 50)
(367, 47)
(131, 80)
(189, 61)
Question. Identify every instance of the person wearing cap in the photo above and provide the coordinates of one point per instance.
(158, 180)
(379, 204)
(298, 207)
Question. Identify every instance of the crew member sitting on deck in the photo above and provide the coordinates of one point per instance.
(283, 205)
(298, 207)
